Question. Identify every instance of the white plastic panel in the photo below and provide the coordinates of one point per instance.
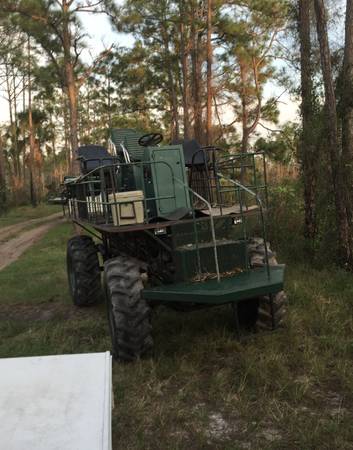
(58, 402)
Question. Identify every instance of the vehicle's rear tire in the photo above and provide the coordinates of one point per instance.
(83, 271)
(128, 313)
(271, 312)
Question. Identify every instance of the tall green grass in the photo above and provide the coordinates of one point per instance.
(40, 274)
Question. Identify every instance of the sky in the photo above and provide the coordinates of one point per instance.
(100, 35)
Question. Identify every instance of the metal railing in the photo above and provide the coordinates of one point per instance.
(89, 194)
(260, 206)
(238, 187)
(249, 169)
(213, 232)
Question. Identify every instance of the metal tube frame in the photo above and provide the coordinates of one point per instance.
(259, 203)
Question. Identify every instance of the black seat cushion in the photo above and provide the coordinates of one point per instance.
(94, 156)
(193, 153)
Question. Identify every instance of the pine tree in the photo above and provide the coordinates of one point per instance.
(55, 26)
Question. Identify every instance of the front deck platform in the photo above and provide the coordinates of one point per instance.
(246, 285)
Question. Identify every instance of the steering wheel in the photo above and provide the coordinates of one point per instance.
(150, 139)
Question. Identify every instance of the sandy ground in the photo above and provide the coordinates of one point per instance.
(12, 248)
(9, 231)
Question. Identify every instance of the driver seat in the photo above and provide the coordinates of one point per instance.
(93, 156)
(128, 137)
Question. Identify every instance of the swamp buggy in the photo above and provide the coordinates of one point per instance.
(177, 225)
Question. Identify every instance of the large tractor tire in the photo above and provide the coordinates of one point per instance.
(271, 312)
(83, 271)
(128, 313)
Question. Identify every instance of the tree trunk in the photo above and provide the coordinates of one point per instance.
(66, 134)
(347, 81)
(308, 138)
(71, 87)
(244, 108)
(24, 131)
(2, 178)
(53, 144)
(15, 128)
(185, 72)
(199, 124)
(333, 141)
(171, 86)
(12, 124)
(196, 76)
(347, 121)
(209, 74)
(73, 114)
(109, 98)
(31, 133)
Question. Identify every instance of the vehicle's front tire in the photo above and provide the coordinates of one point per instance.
(128, 313)
(83, 271)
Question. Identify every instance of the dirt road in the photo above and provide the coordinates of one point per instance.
(12, 249)
(6, 232)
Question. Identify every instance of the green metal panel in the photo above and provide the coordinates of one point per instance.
(129, 137)
(231, 256)
(184, 233)
(246, 285)
(162, 175)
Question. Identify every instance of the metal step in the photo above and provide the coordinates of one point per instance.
(184, 233)
(209, 244)
(250, 284)
(225, 210)
(231, 256)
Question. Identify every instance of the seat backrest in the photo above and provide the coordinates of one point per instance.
(93, 156)
(129, 138)
(193, 154)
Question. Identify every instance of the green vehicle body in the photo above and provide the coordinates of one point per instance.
(197, 222)
(161, 174)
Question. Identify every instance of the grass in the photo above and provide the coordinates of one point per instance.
(41, 274)
(203, 389)
(24, 213)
